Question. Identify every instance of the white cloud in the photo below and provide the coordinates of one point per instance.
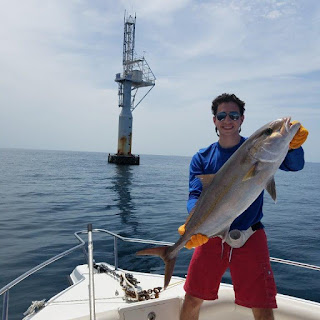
(156, 10)
(275, 14)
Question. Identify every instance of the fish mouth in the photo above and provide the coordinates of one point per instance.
(289, 127)
(282, 130)
(286, 125)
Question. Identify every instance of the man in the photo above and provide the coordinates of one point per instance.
(249, 265)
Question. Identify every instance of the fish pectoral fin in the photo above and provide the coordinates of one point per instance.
(205, 179)
(271, 188)
(251, 173)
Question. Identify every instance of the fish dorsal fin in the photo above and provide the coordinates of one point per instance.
(251, 173)
(205, 179)
(190, 214)
(271, 188)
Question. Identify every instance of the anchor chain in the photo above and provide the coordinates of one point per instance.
(129, 284)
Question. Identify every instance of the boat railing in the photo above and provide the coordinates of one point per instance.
(5, 290)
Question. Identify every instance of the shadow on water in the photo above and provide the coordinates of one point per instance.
(122, 185)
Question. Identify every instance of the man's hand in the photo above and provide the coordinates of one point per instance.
(299, 138)
(196, 240)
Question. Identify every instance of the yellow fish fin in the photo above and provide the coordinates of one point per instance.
(251, 173)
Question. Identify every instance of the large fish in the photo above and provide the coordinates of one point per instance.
(234, 187)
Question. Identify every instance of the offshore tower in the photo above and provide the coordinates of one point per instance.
(136, 74)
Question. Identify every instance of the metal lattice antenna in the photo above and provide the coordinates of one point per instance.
(128, 44)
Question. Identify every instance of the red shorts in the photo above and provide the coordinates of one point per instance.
(250, 269)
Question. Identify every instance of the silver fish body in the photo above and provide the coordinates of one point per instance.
(234, 187)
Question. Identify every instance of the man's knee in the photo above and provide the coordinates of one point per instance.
(262, 314)
(190, 308)
(192, 301)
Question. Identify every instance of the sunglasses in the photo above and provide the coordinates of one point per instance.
(233, 115)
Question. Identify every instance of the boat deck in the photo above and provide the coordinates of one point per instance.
(110, 304)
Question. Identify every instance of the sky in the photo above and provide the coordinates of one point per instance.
(58, 61)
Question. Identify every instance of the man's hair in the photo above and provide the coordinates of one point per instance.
(226, 97)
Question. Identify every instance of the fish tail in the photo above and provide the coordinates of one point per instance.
(162, 252)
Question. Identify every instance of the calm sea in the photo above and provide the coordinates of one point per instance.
(46, 196)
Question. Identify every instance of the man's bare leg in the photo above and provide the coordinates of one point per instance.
(190, 308)
(262, 314)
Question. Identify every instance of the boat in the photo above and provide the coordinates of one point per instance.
(104, 291)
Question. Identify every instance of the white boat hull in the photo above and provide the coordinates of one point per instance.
(73, 302)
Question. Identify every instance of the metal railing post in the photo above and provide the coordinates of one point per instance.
(91, 279)
(115, 252)
(5, 310)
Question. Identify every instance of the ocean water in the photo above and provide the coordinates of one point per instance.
(46, 196)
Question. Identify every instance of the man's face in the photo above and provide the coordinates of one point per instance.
(227, 126)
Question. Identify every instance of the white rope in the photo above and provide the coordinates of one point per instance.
(134, 289)
(35, 306)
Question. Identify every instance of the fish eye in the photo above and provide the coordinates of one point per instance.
(268, 132)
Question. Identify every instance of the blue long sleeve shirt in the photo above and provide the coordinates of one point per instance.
(209, 160)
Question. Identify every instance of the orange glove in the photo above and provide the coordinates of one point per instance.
(196, 240)
(299, 138)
